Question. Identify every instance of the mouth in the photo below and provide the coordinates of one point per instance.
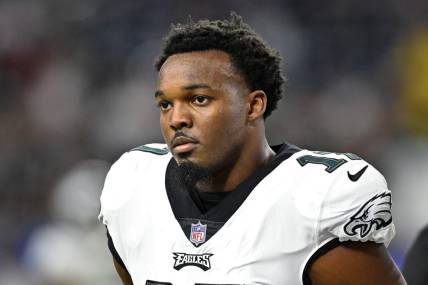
(183, 144)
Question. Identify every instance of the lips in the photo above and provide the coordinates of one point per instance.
(183, 144)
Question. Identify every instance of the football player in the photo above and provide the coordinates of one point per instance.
(216, 204)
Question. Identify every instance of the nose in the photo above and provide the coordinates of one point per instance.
(180, 117)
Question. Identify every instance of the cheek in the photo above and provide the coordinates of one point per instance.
(164, 127)
(223, 126)
(233, 119)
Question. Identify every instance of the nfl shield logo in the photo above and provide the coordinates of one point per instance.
(198, 233)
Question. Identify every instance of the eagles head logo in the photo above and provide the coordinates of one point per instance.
(374, 214)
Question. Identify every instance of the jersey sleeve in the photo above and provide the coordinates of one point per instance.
(118, 187)
(122, 199)
(123, 177)
(357, 206)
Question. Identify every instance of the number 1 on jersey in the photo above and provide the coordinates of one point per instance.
(331, 163)
(150, 282)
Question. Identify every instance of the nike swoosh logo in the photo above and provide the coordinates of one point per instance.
(356, 176)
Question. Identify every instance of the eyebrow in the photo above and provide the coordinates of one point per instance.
(196, 86)
(187, 88)
(158, 93)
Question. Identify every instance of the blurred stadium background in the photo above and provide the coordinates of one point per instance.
(77, 83)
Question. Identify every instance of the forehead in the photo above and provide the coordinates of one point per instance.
(212, 67)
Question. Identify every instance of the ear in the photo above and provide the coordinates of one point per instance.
(257, 101)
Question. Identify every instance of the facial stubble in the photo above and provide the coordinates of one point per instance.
(191, 174)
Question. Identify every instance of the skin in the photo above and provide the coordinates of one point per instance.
(203, 97)
(123, 274)
(356, 263)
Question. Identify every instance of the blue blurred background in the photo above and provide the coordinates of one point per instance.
(76, 91)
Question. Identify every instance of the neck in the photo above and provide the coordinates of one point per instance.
(253, 155)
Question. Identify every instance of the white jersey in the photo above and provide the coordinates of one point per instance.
(307, 201)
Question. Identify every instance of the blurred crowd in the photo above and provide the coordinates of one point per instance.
(77, 85)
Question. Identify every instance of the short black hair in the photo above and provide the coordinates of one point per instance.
(258, 63)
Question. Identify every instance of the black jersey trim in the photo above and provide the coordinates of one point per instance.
(211, 199)
(151, 282)
(186, 205)
(320, 251)
(114, 252)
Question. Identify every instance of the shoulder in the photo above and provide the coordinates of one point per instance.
(354, 202)
(142, 156)
(152, 148)
(344, 171)
(122, 178)
(337, 176)
(136, 160)
(350, 178)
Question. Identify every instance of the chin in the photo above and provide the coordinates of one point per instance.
(190, 160)
(184, 158)
(179, 157)
(192, 172)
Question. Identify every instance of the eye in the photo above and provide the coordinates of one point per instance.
(201, 100)
(164, 105)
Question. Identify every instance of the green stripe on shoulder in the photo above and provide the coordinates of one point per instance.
(151, 149)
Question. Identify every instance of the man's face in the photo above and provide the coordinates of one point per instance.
(202, 101)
